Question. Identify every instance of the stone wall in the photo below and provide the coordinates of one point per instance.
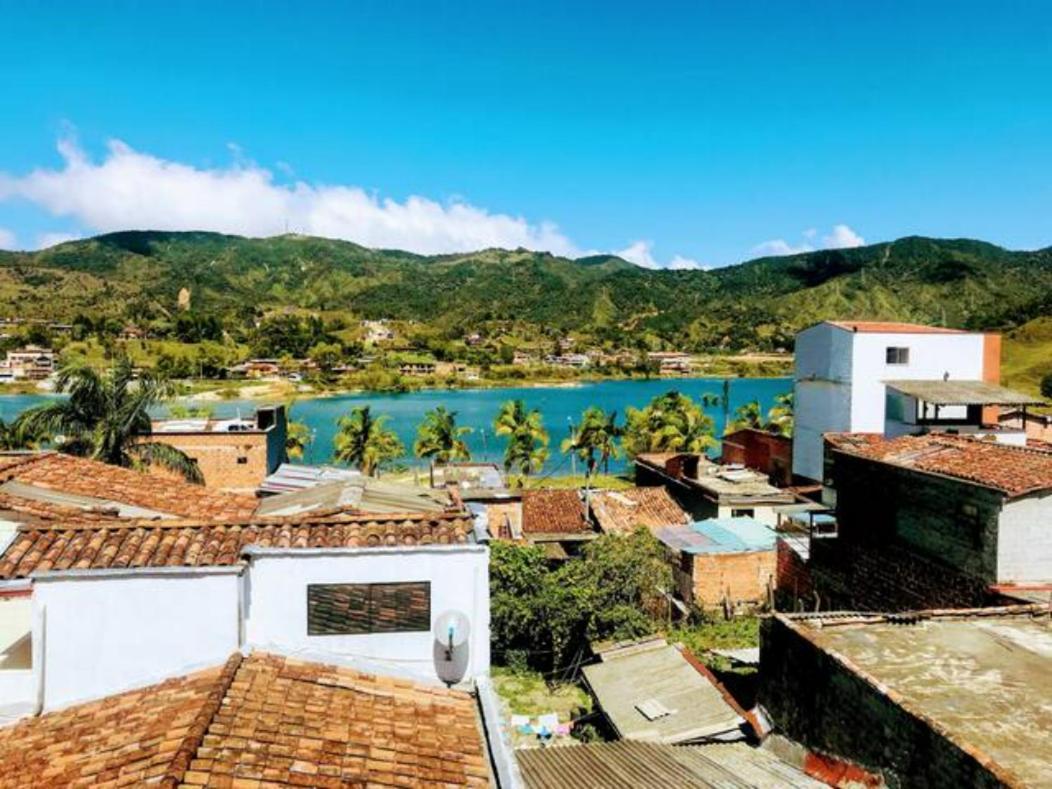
(814, 699)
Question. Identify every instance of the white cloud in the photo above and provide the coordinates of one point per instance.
(45, 240)
(680, 263)
(642, 254)
(7, 239)
(129, 189)
(840, 237)
(639, 252)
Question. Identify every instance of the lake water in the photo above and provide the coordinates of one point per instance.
(476, 408)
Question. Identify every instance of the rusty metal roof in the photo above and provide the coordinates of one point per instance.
(950, 392)
(628, 764)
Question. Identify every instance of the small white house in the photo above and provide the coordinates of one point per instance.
(118, 604)
(841, 368)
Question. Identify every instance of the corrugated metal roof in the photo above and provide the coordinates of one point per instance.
(699, 711)
(363, 494)
(719, 535)
(628, 764)
(941, 392)
(294, 476)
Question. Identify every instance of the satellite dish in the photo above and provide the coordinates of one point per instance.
(451, 631)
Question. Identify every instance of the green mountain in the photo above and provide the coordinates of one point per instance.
(758, 304)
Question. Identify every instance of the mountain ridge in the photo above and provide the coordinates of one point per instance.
(759, 303)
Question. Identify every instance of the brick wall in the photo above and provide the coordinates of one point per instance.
(793, 580)
(228, 461)
(738, 577)
(765, 452)
(814, 699)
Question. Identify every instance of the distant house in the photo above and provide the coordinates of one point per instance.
(575, 360)
(523, 359)
(759, 450)
(418, 369)
(233, 454)
(671, 362)
(257, 368)
(377, 331)
(131, 332)
(31, 363)
(556, 520)
(722, 562)
(708, 490)
(623, 511)
(841, 370)
(473, 339)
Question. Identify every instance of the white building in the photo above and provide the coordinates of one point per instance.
(841, 369)
(112, 605)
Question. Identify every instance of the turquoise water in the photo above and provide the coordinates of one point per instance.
(476, 408)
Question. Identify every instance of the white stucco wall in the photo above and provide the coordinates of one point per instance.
(931, 356)
(839, 380)
(762, 513)
(1024, 540)
(107, 632)
(276, 603)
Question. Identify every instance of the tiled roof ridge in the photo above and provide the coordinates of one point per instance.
(355, 681)
(195, 736)
(20, 460)
(824, 619)
(338, 517)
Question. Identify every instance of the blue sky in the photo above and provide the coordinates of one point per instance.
(700, 132)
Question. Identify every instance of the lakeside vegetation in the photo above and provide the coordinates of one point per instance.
(193, 303)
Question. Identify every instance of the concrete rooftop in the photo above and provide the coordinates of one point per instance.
(984, 680)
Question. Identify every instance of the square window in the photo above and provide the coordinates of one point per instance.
(894, 355)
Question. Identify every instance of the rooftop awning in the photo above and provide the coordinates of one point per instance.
(951, 392)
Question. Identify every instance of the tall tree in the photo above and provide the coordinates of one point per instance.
(527, 439)
(777, 420)
(594, 440)
(671, 422)
(298, 436)
(440, 439)
(15, 436)
(365, 441)
(106, 417)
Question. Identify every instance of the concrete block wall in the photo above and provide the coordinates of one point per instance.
(943, 519)
(738, 577)
(814, 699)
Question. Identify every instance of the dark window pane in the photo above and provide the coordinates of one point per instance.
(351, 609)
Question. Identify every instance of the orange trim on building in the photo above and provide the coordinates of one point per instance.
(991, 372)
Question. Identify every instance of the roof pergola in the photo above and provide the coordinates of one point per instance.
(949, 392)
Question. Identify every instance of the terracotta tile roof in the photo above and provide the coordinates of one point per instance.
(29, 511)
(624, 510)
(892, 327)
(179, 543)
(553, 512)
(145, 735)
(1015, 471)
(83, 477)
(264, 720)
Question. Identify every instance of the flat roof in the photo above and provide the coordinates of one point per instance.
(734, 484)
(684, 704)
(984, 678)
(940, 392)
(719, 535)
(892, 327)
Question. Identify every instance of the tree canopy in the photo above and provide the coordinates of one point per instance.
(671, 422)
(440, 438)
(365, 441)
(527, 447)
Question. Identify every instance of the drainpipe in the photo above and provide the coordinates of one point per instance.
(39, 636)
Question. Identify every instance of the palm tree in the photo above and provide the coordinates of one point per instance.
(777, 420)
(597, 433)
(527, 439)
(106, 417)
(439, 438)
(13, 436)
(298, 436)
(671, 422)
(363, 441)
(721, 401)
(748, 415)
